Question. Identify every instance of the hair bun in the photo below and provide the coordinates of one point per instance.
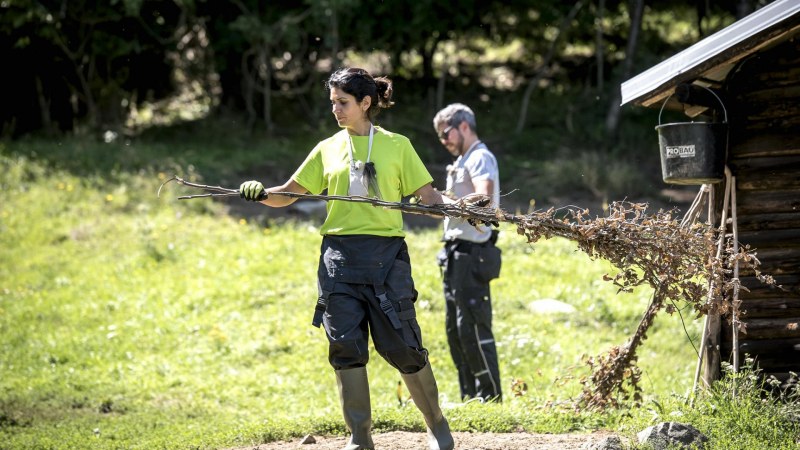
(384, 85)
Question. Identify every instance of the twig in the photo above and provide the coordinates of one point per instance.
(455, 210)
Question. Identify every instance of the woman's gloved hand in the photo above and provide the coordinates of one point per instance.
(253, 191)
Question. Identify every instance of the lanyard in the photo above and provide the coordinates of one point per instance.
(461, 158)
(351, 149)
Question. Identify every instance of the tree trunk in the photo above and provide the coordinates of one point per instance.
(265, 59)
(334, 39)
(248, 90)
(743, 8)
(599, 53)
(440, 85)
(542, 70)
(44, 107)
(614, 109)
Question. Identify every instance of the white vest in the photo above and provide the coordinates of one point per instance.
(477, 163)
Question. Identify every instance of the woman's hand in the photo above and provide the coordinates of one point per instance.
(253, 191)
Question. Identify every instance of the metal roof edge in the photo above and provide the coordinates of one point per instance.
(710, 46)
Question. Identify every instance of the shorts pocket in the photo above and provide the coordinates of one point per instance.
(399, 284)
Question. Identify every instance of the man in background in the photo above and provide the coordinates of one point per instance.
(470, 259)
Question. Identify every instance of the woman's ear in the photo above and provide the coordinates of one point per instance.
(365, 103)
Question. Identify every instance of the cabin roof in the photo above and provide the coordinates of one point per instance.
(708, 62)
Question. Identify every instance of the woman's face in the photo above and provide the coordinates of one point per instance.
(348, 112)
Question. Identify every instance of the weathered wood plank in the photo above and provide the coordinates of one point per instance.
(781, 257)
(771, 328)
(775, 180)
(787, 378)
(768, 96)
(781, 118)
(773, 355)
(765, 291)
(774, 268)
(768, 221)
(756, 164)
(749, 143)
(770, 238)
(774, 363)
(777, 66)
(770, 307)
(760, 202)
(783, 72)
(790, 287)
(765, 346)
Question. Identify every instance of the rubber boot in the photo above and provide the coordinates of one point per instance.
(354, 393)
(425, 394)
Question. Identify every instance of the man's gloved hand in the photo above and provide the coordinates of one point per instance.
(252, 191)
(475, 199)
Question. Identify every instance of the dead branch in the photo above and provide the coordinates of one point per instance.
(679, 261)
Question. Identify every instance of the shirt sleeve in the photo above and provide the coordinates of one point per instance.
(414, 174)
(311, 174)
(480, 166)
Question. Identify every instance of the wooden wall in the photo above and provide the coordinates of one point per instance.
(763, 99)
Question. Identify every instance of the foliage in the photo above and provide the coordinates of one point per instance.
(90, 60)
(96, 64)
(768, 411)
(742, 410)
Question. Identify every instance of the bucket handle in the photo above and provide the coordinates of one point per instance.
(725, 111)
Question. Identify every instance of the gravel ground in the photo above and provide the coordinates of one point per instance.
(401, 440)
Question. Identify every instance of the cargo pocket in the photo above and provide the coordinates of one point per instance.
(459, 270)
(487, 262)
(412, 335)
(399, 284)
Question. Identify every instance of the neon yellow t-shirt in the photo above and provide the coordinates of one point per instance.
(400, 173)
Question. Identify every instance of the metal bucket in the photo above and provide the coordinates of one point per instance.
(693, 152)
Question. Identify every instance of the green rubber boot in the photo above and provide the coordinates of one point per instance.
(354, 393)
(425, 394)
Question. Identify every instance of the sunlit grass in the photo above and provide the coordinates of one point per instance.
(133, 321)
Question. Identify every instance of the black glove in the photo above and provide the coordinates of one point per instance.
(252, 191)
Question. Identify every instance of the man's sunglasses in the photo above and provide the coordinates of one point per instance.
(445, 132)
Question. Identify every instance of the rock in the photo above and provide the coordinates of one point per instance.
(609, 443)
(308, 439)
(664, 434)
(550, 306)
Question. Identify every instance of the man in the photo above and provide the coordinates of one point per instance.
(469, 258)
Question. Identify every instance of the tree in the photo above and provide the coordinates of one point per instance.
(89, 58)
(636, 10)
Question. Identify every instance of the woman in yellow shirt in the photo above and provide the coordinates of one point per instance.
(364, 275)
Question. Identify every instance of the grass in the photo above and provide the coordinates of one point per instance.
(130, 321)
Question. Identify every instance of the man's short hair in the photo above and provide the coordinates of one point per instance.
(454, 114)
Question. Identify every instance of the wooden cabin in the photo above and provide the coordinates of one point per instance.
(753, 66)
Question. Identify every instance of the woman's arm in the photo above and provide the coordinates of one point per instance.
(278, 201)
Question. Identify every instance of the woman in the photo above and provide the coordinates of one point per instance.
(364, 274)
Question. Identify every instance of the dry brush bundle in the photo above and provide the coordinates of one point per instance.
(682, 263)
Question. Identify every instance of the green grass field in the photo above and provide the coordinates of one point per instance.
(131, 321)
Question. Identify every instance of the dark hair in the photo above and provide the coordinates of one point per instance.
(359, 83)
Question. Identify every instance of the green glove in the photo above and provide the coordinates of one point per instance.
(252, 191)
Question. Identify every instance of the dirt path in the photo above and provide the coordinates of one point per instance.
(402, 440)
